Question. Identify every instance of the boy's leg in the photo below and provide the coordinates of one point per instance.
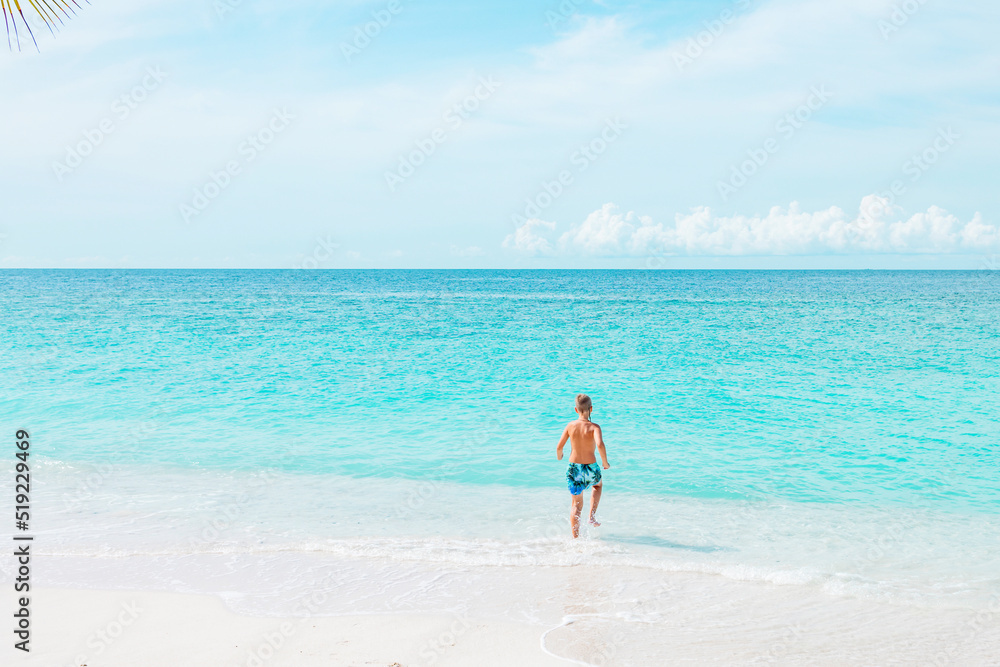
(595, 498)
(576, 507)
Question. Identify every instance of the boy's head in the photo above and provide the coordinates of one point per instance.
(583, 404)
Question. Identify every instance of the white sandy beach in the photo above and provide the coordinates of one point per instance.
(93, 628)
(736, 624)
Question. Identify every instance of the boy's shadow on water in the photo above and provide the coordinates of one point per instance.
(652, 541)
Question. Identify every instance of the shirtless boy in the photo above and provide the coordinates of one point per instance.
(583, 435)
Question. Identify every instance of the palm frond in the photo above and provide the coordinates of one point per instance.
(49, 13)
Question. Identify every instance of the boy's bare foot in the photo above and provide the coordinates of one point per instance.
(594, 522)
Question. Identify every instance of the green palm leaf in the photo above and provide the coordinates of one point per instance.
(51, 16)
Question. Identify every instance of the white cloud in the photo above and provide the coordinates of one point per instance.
(530, 239)
(878, 227)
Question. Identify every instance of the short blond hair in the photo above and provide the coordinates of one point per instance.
(583, 403)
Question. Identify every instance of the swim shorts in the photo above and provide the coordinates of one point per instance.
(582, 476)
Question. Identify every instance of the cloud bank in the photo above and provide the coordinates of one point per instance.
(878, 227)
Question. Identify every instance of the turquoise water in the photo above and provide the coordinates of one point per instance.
(869, 389)
(249, 433)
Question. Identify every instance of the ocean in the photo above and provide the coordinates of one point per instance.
(795, 440)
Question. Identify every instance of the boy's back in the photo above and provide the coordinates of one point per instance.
(583, 439)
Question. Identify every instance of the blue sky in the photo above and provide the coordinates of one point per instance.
(744, 133)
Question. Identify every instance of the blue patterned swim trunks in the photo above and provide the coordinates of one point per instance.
(582, 476)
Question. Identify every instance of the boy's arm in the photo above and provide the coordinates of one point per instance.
(562, 443)
(601, 448)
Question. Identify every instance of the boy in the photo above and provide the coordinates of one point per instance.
(583, 471)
